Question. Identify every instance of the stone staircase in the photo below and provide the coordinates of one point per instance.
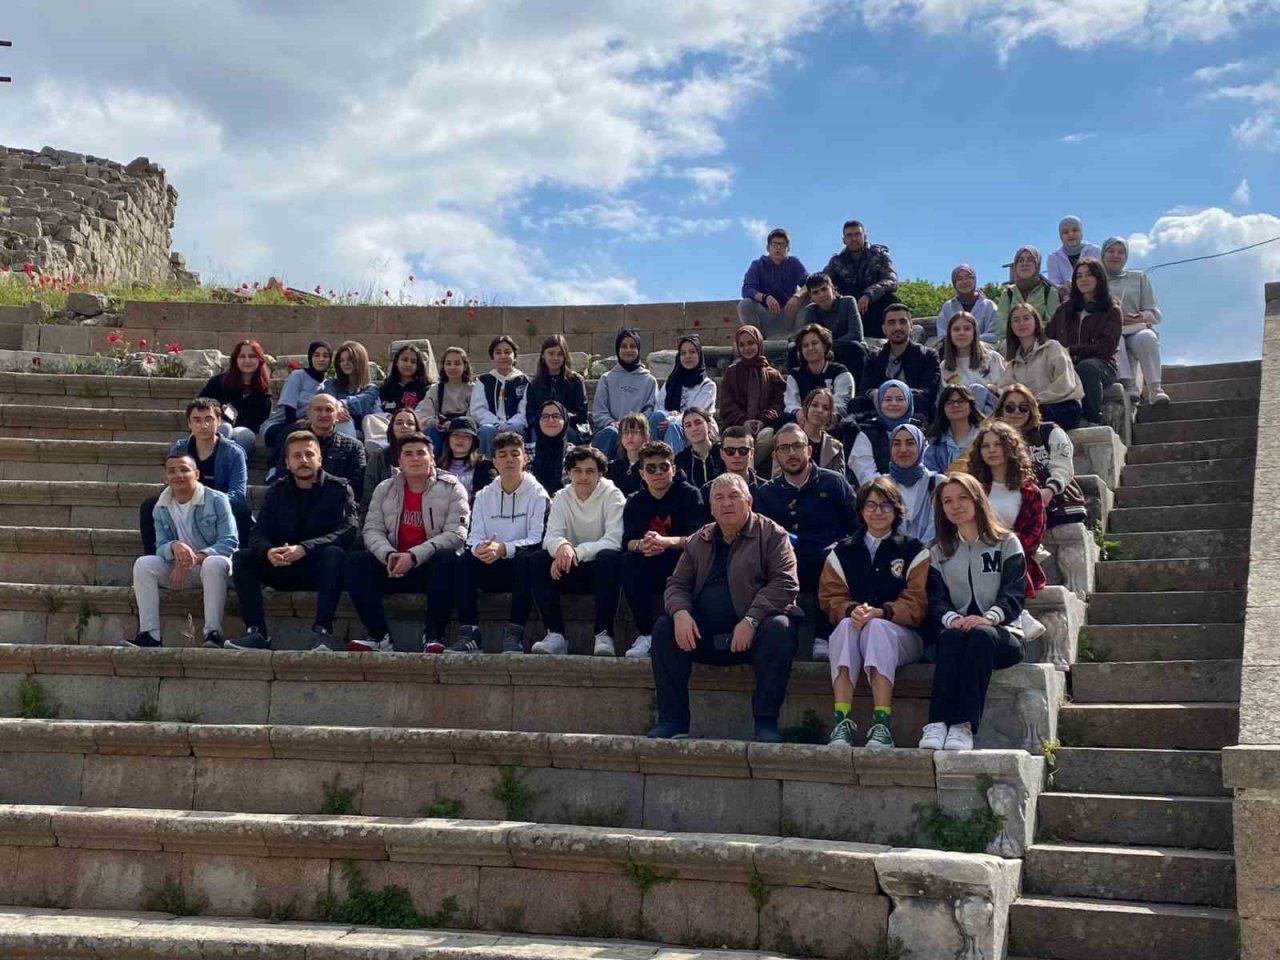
(1133, 857)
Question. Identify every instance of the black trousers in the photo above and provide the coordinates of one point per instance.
(771, 654)
(598, 576)
(1065, 414)
(809, 572)
(368, 582)
(873, 319)
(320, 570)
(147, 522)
(1095, 377)
(963, 670)
(470, 576)
(642, 577)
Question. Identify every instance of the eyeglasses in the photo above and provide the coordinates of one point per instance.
(550, 416)
(956, 401)
(790, 447)
(1017, 408)
(663, 467)
(878, 506)
(735, 451)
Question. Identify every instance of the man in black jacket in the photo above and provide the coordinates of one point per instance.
(656, 521)
(340, 456)
(901, 359)
(305, 528)
(864, 270)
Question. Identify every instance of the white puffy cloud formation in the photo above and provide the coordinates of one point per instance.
(1260, 130)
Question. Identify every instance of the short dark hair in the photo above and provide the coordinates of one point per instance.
(851, 223)
(818, 330)
(205, 403)
(503, 338)
(897, 307)
(699, 411)
(508, 438)
(297, 437)
(816, 281)
(887, 489)
(181, 456)
(737, 432)
(578, 454)
(416, 437)
(657, 448)
(775, 233)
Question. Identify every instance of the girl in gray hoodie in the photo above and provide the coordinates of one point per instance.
(627, 388)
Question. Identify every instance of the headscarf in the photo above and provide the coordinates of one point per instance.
(1033, 281)
(1123, 245)
(549, 452)
(759, 360)
(908, 476)
(1074, 249)
(969, 301)
(312, 347)
(681, 376)
(634, 334)
(892, 425)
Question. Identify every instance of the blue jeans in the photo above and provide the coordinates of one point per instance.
(674, 434)
(606, 441)
(243, 436)
(487, 432)
(437, 441)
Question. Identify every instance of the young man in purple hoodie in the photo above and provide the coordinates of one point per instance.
(772, 290)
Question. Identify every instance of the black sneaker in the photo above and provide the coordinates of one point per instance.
(321, 639)
(468, 640)
(767, 731)
(513, 638)
(143, 639)
(253, 640)
(667, 731)
(214, 639)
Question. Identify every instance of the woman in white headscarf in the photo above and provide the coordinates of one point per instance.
(1062, 262)
(1138, 336)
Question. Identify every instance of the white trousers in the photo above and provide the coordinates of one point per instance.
(151, 573)
(881, 644)
(1145, 347)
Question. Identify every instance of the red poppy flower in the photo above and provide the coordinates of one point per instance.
(35, 361)
(448, 293)
(697, 323)
(317, 288)
(113, 337)
(4, 268)
(174, 348)
(28, 269)
(142, 344)
(244, 286)
(255, 284)
(294, 365)
(725, 318)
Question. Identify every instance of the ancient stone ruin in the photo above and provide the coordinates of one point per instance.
(72, 215)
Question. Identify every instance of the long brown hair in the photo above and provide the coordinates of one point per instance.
(990, 530)
(1017, 390)
(1019, 471)
(977, 349)
(1101, 295)
(359, 359)
(543, 375)
(1012, 344)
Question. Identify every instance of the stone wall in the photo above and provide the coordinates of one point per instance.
(72, 215)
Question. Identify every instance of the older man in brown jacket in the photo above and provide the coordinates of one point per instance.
(731, 600)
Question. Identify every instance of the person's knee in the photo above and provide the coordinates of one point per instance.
(146, 566)
(332, 558)
(776, 632)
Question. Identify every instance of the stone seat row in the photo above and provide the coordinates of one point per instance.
(799, 790)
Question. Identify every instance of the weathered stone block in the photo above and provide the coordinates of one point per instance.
(101, 698)
(335, 704)
(409, 789)
(581, 904)
(44, 778)
(214, 701)
(712, 804)
(132, 781)
(821, 923)
(241, 886)
(701, 913)
(844, 812)
(1098, 450)
(588, 798)
(270, 786)
(1012, 781)
(91, 879)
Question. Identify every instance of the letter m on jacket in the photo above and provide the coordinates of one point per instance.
(991, 562)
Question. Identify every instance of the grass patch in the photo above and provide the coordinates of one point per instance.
(276, 912)
(810, 729)
(338, 800)
(645, 877)
(148, 712)
(390, 907)
(171, 898)
(595, 816)
(596, 923)
(513, 793)
(34, 703)
(444, 808)
(969, 831)
(1108, 549)
(759, 891)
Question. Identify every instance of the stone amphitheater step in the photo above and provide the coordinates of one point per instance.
(1241, 388)
(1190, 773)
(1233, 370)
(1190, 471)
(47, 933)
(1162, 519)
(471, 691)
(1217, 409)
(690, 786)
(1156, 726)
(90, 423)
(1125, 642)
(138, 393)
(109, 461)
(506, 876)
(1204, 878)
(1181, 544)
(1231, 448)
(1065, 928)
(1159, 821)
(1184, 606)
(1169, 681)
(1195, 493)
(1203, 573)
(1181, 431)
(70, 503)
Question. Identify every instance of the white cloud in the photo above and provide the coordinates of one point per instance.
(1212, 74)
(1242, 194)
(1261, 130)
(755, 228)
(1076, 137)
(1075, 26)
(711, 184)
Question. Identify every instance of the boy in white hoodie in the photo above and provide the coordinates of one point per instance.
(508, 520)
(583, 547)
(496, 397)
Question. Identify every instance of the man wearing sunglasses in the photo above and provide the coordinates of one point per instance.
(656, 522)
(737, 453)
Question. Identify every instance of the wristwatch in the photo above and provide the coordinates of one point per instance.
(755, 624)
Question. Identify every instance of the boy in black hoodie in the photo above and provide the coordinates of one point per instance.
(655, 524)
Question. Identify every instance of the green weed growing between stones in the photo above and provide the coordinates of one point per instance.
(810, 729)
(645, 877)
(595, 816)
(594, 922)
(1108, 549)
(1049, 750)
(84, 615)
(513, 793)
(34, 703)
(390, 907)
(171, 898)
(968, 831)
(758, 890)
(338, 800)
(276, 912)
(148, 712)
(446, 808)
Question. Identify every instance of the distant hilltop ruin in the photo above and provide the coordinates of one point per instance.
(70, 215)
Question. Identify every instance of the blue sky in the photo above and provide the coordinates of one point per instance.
(626, 151)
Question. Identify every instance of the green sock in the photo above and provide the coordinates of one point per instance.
(881, 715)
(842, 711)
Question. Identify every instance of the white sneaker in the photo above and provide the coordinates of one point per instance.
(640, 649)
(821, 651)
(604, 646)
(553, 643)
(935, 736)
(1156, 394)
(959, 737)
(1032, 629)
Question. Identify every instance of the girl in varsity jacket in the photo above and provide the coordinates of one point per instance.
(977, 589)
(497, 395)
